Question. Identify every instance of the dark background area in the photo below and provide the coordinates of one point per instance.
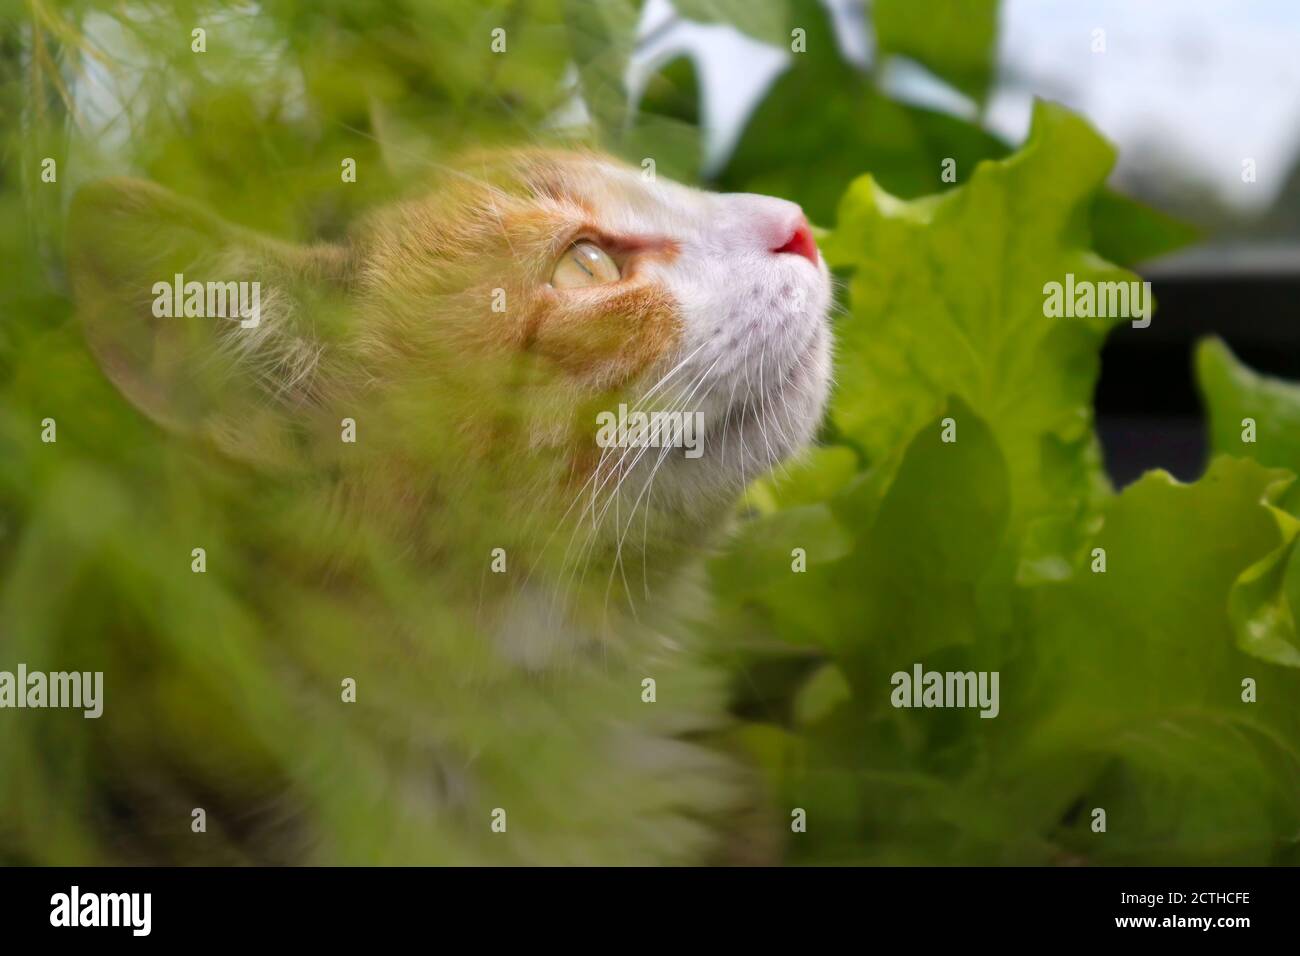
(1149, 412)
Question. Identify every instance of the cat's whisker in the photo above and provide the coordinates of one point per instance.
(645, 527)
(664, 453)
(726, 421)
(647, 494)
(788, 381)
(680, 407)
(764, 405)
(637, 406)
(758, 405)
(586, 553)
(665, 379)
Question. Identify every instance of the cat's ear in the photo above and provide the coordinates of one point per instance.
(203, 325)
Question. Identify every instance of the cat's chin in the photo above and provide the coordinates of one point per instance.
(786, 415)
(747, 438)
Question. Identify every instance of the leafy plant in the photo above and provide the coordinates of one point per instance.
(1122, 625)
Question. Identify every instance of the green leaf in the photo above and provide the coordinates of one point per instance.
(1128, 233)
(900, 559)
(855, 129)
(666, 127)
(824, 115)
(762, 556)
(601, 37)
(765, 21)
(674, 92)
(919, 573)
(824, 690)
(1120, 689)
(1234, 393)
(1122, 627)
(816, 477)
(1139, 666)
(947, 298)
(1241, 401)
(955, 39)
(1262, 602)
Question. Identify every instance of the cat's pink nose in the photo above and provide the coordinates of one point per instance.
(800, 242)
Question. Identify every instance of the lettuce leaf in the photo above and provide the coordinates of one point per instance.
(947, 295)
(1142, 640)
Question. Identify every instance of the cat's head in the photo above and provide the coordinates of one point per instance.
(516, 316)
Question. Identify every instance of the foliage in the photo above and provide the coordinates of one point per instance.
(1121, 689)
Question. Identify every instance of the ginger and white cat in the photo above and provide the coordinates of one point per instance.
(472, 336)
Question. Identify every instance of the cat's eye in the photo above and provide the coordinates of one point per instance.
(584, 264)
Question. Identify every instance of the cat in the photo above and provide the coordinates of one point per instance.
(430, 389)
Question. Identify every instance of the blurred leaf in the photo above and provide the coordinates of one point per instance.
(763, 557)
(673, 91)
(824, 690)
(852, 129)
(1128, 232)
(1262, 606)
(1234, 393)
(815, 478)
(1266, 596)
(666, 127)
(766, 21)
(602, 36)
(955, 39)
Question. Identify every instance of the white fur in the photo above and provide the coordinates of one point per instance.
(755, 357)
